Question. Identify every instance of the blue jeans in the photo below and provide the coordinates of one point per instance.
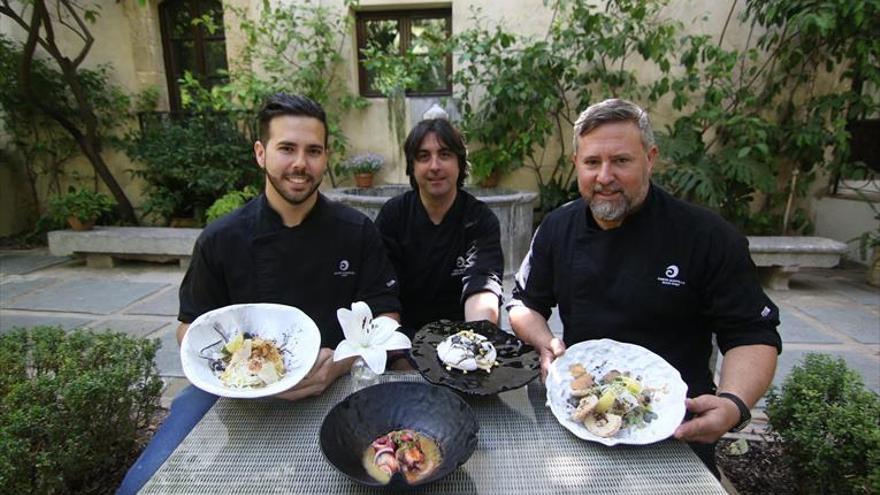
(187, 409)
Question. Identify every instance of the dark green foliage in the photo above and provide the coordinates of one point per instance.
(189, 163)
(38, 142)
(84, 204)
(519, 96)
(230, 202)
(754, 119)
(752, 130)
(830, 426)
(70, 406)
(295, 48)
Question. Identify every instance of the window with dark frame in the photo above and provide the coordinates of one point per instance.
(190, 46)
(402, 31)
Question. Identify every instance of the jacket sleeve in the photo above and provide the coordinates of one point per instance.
(534, 281)
(204, 287)
(377, 286)
(485, 259)
(737, 307)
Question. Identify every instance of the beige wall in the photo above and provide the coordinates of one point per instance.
(128, 37)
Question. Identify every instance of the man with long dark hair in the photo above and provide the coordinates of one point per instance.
(443, 242)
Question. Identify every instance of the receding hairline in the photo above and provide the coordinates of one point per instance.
(610, 111)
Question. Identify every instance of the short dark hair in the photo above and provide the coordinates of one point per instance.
(285, 104)
(448, 137)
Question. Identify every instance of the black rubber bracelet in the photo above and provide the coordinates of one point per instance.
(745, 414)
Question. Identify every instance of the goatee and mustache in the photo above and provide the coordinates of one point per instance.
(610, 210)
(294, 198)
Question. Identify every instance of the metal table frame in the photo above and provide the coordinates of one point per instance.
(271, 446)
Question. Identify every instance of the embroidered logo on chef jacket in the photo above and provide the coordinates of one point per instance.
(462, 263)
(343, 269)
(670, 277)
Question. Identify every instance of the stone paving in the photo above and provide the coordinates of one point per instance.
(825, 310)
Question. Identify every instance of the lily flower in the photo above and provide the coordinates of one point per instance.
(368, 337)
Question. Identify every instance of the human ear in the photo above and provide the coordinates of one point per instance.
(260, 154)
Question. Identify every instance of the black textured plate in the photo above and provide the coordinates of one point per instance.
(352, 425)
(518, 363)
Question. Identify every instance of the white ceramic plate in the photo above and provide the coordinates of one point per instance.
(603, 355)
(288, 327)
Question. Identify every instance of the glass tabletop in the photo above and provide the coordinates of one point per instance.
(271, 446)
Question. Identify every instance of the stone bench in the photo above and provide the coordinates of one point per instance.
(778, 258)
(102, 245)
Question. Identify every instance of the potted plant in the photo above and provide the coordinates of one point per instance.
(79, 208)
(362, 166)
(871, 241)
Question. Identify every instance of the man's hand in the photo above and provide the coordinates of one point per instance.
(550, 350)
(746, 371)
(713, 417)
(323, 373)
(532, 329)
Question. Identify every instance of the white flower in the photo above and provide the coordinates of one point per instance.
(368, 337)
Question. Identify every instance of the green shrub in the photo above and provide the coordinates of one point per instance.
(830, 427)
(190, 162)
(230, 202)
(70, 406)
(84, 204)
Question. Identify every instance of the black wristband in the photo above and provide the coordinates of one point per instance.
(745, 414)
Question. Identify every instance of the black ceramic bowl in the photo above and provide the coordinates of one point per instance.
(518, 363)
(352, 425)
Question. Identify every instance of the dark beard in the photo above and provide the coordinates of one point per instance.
(295, 201)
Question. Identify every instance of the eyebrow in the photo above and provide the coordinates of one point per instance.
(616, 155)
(293, 143)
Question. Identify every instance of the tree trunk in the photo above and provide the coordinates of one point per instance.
(126, 211)
(88, 140)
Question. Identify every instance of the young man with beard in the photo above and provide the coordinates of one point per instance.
(444, 243)
(288, 246)
(631, 263)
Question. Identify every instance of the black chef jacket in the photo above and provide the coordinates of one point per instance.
(666, 279)
(439, 266)
(333, 258)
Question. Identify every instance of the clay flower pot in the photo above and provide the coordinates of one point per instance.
(874, 268)
(491, 181)
(77, 224)
(363, 180)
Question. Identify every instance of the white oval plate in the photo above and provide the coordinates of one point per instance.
(287, 326)
(603, 355)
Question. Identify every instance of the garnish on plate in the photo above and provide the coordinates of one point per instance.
(616, 402)
(248, 361)
(408, 452)
(467, 351)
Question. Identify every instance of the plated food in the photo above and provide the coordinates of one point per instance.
(612, 392)
(476, 357)
(467, 351)
(248, 361)
(399, 434)
(249, 350)
(408, 452)
(611, 404)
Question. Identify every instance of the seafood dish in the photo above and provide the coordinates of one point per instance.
(248, 360)
(467, 351)
(613, 403)
(407, 452)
